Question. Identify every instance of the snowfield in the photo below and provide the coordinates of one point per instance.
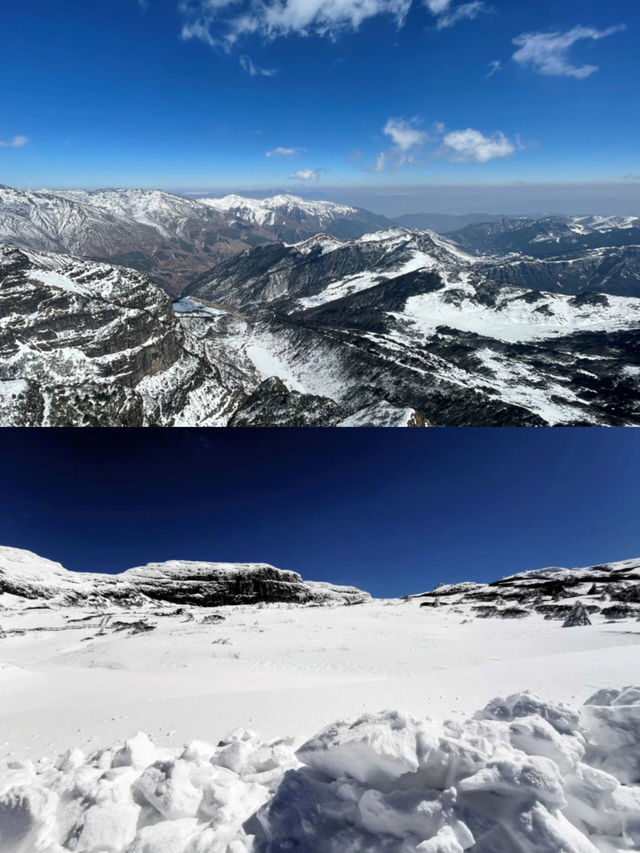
(254, 693)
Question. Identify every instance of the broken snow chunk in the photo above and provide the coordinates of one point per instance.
(376, 749)
(167, 787)
(138, 751)
(521, 778)
(562, 719)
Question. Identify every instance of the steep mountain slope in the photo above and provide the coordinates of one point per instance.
(611, 590)
(83, 343)
(170, 237)
(26, 575)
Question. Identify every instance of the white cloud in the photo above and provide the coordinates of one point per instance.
(468, 11)
(255, 70)
(412, 145)
(222, 23)
(471, 145)
(404, 134)
(284, 152)
(437, 6)
(307, 174)
(210, 21)
(16, 142)
(408, 141)
(548, 53)
(494, 67)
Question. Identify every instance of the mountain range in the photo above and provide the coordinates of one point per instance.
(320, 322)
(170, 237)
(608, 590)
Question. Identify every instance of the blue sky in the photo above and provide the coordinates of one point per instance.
(193, 94)
(393, 511)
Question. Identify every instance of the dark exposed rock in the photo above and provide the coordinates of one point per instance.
(513, 613)
(273, 404)
(619, 611)
(577, 616)
(485, 611)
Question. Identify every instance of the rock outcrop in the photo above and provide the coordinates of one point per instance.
(577, 617)
(181, 582)
(611, 590)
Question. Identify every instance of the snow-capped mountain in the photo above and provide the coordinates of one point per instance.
(610, 590)
(25, 575)
(289, 217)
(170, 237)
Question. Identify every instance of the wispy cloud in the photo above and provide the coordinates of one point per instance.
(412, 146)
(494, 67)
(16, 142)
(548, 53)
(222, 23)
(466, 12)
(284, 152)
(255, 70)
(312, 175)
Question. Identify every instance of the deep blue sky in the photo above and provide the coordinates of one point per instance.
(393, 511)
(110, 92)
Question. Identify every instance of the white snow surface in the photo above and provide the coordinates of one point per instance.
(513, 318)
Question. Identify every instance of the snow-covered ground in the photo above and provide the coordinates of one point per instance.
(247, 686)
(247, 691)
(280, 669)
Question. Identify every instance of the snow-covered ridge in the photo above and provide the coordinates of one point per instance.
(607, 591)
(520, 776)
(26, 575)
(264, 211)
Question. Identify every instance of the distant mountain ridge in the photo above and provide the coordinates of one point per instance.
(445, 223)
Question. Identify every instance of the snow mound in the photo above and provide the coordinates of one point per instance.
(521, 776)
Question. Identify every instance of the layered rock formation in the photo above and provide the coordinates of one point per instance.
(611, 590)
(182, 582)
